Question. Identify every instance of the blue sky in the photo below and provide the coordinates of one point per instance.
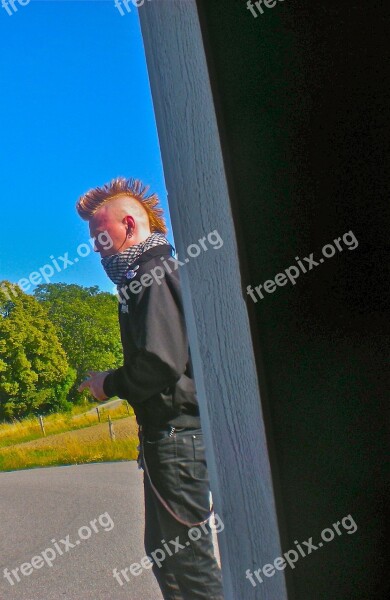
(75, 111)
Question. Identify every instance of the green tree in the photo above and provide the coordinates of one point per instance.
(34, 371)
(86, 321)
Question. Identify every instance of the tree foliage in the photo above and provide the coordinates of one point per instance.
(86, 322)
(34, 370)
(49, 341)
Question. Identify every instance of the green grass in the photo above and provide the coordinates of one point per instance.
(29, 429)
(70, 452)
(77, 446)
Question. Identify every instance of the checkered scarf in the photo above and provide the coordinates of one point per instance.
(117, 265)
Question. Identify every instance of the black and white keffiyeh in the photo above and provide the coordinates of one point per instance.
(117, 265)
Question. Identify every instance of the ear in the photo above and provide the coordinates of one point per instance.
(129, 221)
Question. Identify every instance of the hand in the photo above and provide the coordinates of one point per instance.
(95, 384)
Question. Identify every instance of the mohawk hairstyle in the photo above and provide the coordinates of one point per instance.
(90, 202)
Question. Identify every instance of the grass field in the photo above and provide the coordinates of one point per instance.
(70, 439)
(29, 429)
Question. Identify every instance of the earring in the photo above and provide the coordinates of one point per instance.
(129, 235)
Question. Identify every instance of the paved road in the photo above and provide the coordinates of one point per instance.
(41, 505)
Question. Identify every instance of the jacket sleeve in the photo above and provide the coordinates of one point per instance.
(158, 328)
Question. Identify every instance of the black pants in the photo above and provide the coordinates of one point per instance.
(183, 558)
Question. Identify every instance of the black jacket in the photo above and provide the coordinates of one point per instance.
(156, 377)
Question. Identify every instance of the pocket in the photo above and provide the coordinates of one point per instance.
(199, 457)
(193, 482)
(162, 436)
(160, 441)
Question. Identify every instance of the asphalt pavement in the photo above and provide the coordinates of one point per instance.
(40, 508)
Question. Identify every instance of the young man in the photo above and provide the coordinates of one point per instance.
(156, 379)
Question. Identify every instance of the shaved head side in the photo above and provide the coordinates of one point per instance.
(121, 206)
(127, 196)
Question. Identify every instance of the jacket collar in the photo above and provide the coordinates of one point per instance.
(160, 250)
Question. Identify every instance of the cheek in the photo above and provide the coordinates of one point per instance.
(111, 241)
(117, 237)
